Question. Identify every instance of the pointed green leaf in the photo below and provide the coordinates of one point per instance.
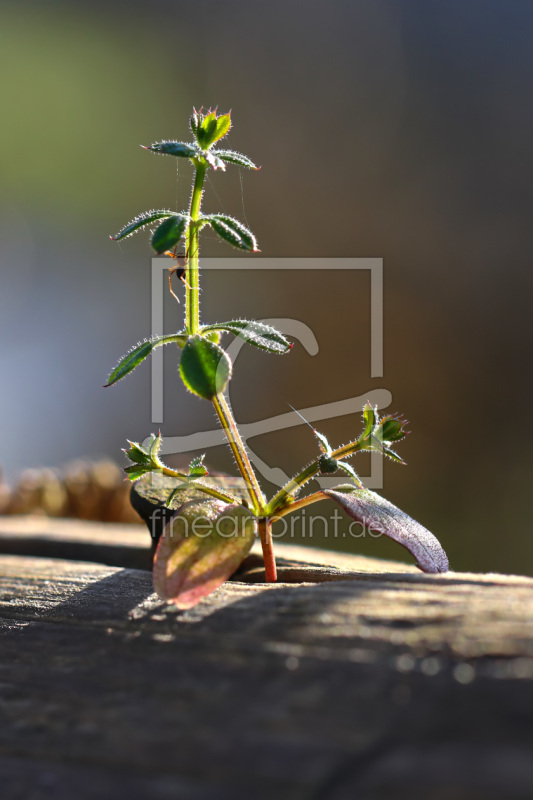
(232, 231)
(257, 333)
(212, 335)
(393, 455)
(132, 359)
(194, 121)
(222, 128)
(136, 471)
(206, 129)
(197, 468)
(173, 148)
(391, 429)
(209, 129)
(140, 222)
(154, 446)
(137, 453)
(345, 467)
(323, 442)
(370, 417)
(201, 547)
(378, 516)
(232, 157)
(204, 367)
(168, 234)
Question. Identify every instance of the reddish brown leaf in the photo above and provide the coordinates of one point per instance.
(201, 547)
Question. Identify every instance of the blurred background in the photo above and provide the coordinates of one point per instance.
(400, 130)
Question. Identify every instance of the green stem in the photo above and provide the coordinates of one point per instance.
(279, 501)
(192, 290)
(239, 452)
(298, 504)
(202, 487)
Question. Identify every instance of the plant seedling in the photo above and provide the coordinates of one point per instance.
(213, 527)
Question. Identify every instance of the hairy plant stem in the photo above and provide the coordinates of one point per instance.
(298, 504)
(192, 291)
(202, 487)
(264, 529)
(239, 452)
(192, 325)
(279, 501)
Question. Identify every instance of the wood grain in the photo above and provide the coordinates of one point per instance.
(366, 680)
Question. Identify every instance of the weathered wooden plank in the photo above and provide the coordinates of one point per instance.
(389, 684)
(105, 543)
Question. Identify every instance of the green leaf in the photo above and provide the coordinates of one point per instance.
(201, 546)
(257, 333)
(232, 157)
(391, 429)
(370, 418)
(194, 121)
(136, 471)
(393, 455)
(168, 234)
(138, 454)
(197, 468)
(345, 467)
(173, 148)
(140, 222)
(323, 442)
(378, 516)
(212, 335)
(132, 359)
(154, 446)
(209, 129)
(206, 129)
(232, 231)
(204, 367)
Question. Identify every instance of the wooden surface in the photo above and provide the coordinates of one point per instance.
(367, 680)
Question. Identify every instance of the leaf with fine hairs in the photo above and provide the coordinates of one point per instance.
(140, 222)
(232, 231)
(132, 359)
(378, 515)
(201, 547)
(168, 234)
(232, 157)
(263, 336)
(205, 368)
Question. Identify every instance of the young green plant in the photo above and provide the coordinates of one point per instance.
(213, 527)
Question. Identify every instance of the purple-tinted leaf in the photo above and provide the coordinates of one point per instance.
(200, 548)
(378, 515)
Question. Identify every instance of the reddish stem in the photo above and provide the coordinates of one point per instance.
(264, 527)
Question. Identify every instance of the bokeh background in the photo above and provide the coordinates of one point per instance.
(401, 130)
